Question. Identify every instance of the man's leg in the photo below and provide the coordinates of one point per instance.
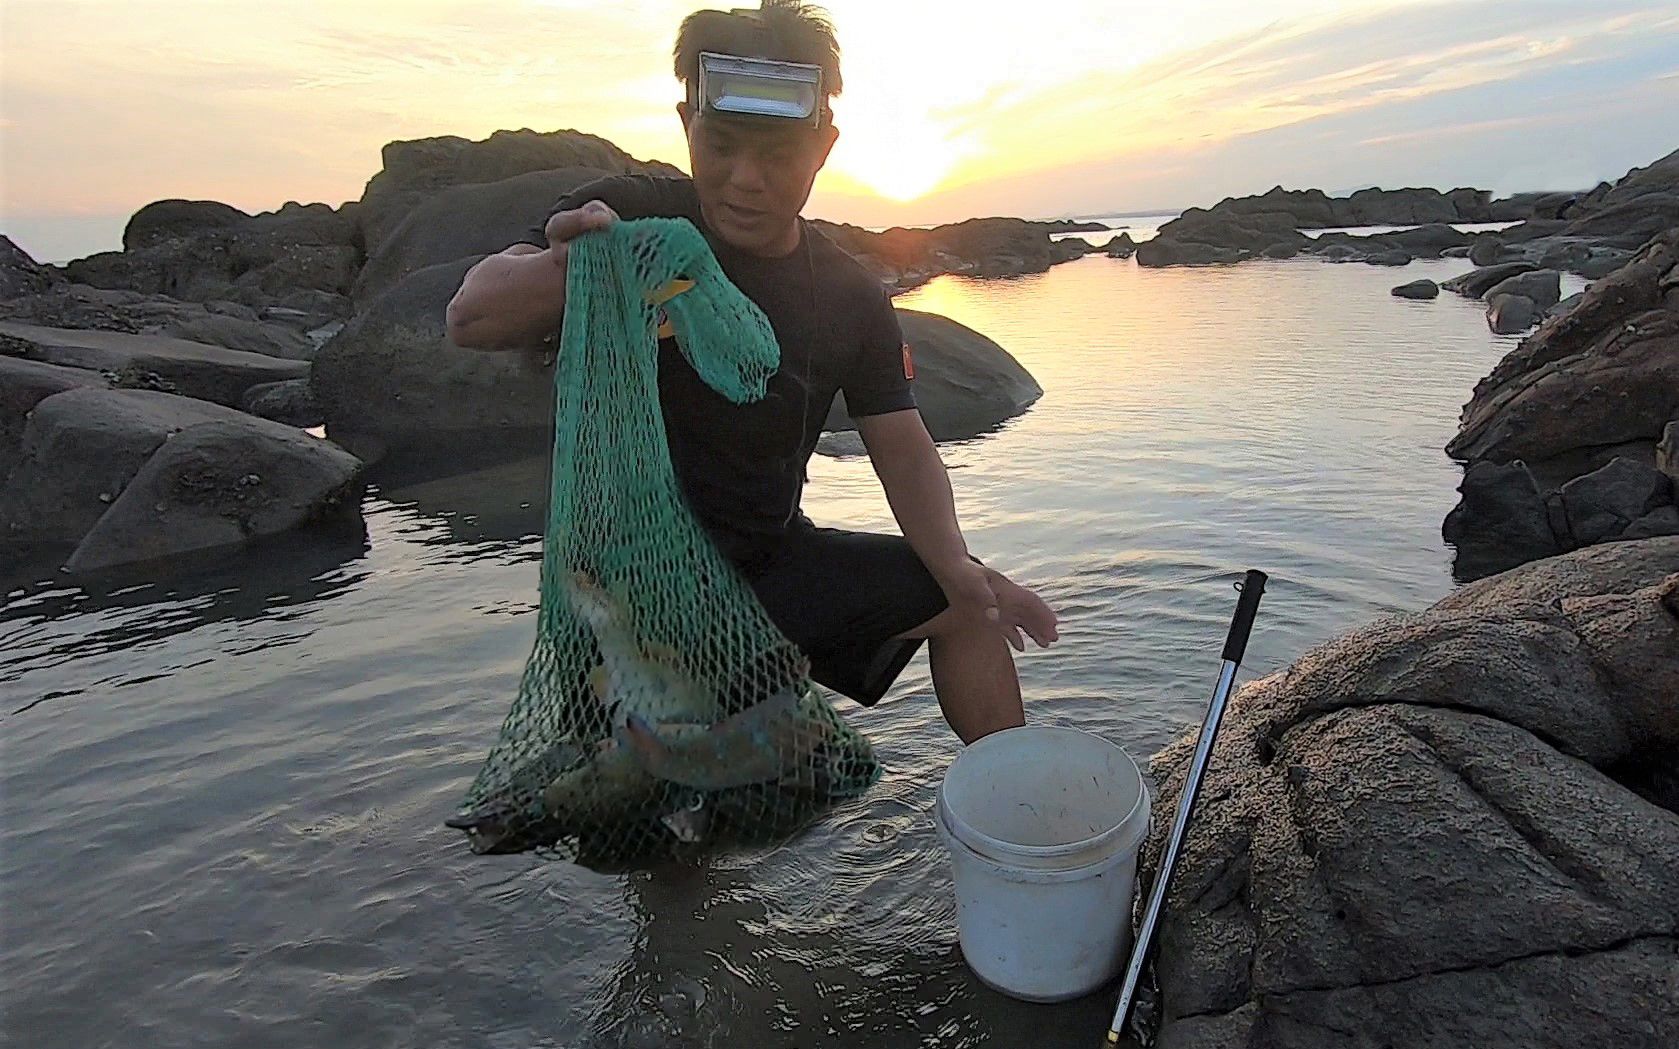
(973, 674)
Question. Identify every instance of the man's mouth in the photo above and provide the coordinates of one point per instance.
(744, 215)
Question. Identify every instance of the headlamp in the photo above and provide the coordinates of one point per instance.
(759, 87)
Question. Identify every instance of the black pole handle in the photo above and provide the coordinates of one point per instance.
(1252, 587)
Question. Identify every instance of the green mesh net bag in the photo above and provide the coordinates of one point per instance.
(660, 708)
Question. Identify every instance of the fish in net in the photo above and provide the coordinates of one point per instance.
(660, 707)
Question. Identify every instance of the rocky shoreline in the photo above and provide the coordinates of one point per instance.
(153, 400)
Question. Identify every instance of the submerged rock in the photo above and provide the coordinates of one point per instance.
(221, 484)
(1418, 289)
(1453, 828)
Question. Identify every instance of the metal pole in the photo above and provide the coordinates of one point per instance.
(1251, 587)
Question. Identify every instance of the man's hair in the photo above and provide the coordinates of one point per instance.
(783, 30)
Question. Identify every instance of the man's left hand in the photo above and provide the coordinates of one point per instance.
(973, 589)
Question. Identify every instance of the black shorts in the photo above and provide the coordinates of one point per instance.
(843, 598)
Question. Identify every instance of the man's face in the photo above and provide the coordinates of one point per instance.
(753, 177)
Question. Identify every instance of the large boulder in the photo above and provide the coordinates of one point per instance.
(275, 332)
(1453, 828)
(1541, 287)
(22, 275)
(1122, 246)
(965, 384)
(414, 170)
(392, 381)
(1477, 282)
(1487, 250)
(220, 484)
(23, 385)
(475, 219)
(211, 373)
(1501, 520)
(165, 220)
(1510, 314)
(79, 450)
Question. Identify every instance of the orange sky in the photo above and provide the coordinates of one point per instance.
(1056, 107)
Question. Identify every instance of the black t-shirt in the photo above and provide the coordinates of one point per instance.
(742, 467)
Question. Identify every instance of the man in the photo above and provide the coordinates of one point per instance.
(759, 128)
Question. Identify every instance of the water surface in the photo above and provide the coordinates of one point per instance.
(223, 794)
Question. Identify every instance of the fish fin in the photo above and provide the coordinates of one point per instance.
(644, 740)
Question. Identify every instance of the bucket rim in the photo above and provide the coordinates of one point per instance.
(997, 849)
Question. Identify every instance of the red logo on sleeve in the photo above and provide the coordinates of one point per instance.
(909, 363)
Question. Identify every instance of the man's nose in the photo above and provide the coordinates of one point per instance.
(747, 174)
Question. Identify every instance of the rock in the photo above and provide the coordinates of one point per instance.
(1511, 314)
(194, 369)
(1602, 374)
(288, 402)
(1441, 829)
(392, 375)
(476, 219)
(1501, 520)
(22, 275)
(1389, 258)
(1667, 452)
(258, 260)
(413, 170)
(988, 247)
(965, 384)
(1602, 504)
(1565, 305)
(1476, 283)
(841, 444)
(1121, 247)
(1163, 252)
(1455, 253)
(230, 325)
(1663, 520)
(1418, 289)
(165, 220)
(1542, 287)
(219, 484)
(1429, 241)
(1486, 251)
(1282, 251)
(1602, 262)
(23, 385)
(83, 444)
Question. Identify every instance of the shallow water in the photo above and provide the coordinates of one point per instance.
(223, 795)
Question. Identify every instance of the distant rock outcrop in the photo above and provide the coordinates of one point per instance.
(989, 247)
(1571, 419)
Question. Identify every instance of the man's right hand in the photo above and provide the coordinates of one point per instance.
(566, 226)
(515, 299)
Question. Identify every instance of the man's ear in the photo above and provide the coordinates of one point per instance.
(686, 113)
(830, 135)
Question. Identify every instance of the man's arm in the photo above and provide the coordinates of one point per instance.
(515, 299)
(918, 489)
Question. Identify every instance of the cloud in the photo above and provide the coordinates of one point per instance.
(1429, 94)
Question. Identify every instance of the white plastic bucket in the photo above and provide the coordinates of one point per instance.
(1043, 825)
